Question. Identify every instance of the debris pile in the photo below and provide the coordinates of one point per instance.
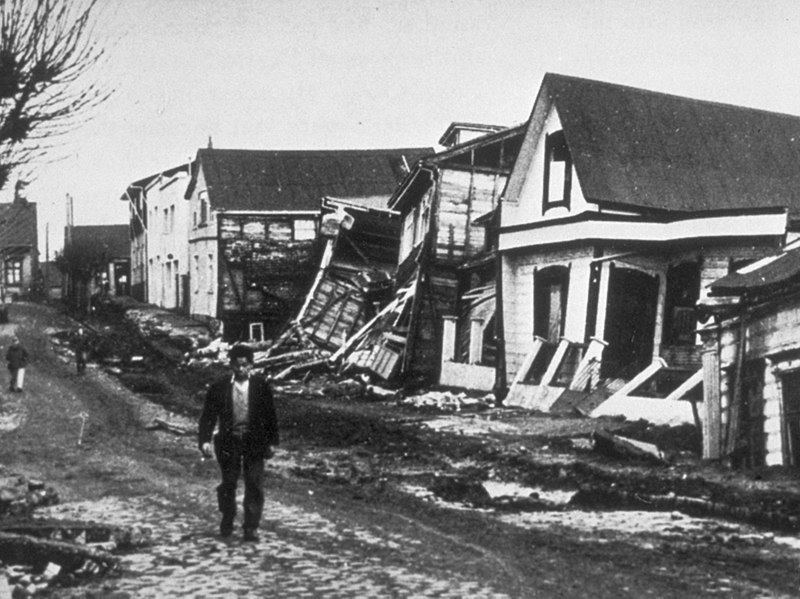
(36, 555)
(448, 401)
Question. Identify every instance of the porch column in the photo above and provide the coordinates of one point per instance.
(580, 274)
(712, 420)
(658, 333)
(475, 340)
(602, 301)
(448, 338)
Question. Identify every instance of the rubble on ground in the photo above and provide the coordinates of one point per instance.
(37, 555)
(449, 401)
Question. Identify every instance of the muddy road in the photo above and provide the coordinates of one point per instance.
(368, 499)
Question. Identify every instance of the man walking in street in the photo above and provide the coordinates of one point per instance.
(242, 407)
(17, 358)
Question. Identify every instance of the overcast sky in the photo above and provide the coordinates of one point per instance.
(351, 74)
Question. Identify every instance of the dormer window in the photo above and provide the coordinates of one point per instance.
(557, 172)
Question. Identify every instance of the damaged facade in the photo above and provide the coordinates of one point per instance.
(254, 245)
(446, 265)
(751, 364)
(356, 272)
(624, 204)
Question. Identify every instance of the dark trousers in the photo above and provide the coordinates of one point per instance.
(235, 459)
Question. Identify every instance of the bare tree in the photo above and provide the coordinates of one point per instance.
(47, 48)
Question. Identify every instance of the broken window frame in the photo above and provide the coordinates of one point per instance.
(556, 150)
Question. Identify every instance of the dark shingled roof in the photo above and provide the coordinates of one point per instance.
(658, 151)
(17, 226)
(773, 273)
(116, 237)
(298, 180)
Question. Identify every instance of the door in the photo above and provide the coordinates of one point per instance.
(790, 385)
(630, 321)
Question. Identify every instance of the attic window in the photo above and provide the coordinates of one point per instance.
(557, 172)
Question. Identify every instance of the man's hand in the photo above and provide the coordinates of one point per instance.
(205, 449)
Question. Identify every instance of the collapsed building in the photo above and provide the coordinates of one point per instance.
(254, 245)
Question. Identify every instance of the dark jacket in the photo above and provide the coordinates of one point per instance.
(218, 408)
(17, 357)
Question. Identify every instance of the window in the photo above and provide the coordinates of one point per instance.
(13, 272)
(203, 211)
(211, 282)
(550, 302)
(196, 274)
(557, 172)
(683, 290)
(305, 228)
(256, 331)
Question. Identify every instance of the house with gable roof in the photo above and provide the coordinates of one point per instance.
(624, 204)
(440, 326)
(114, 244)
(254, 220)
(18, 248)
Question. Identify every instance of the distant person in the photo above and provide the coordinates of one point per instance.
(81, 346)
(17, 358)
(242, 407)
(4, 314)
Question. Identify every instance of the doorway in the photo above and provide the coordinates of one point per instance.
(630, 321)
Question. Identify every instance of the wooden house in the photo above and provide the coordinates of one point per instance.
(751, 363)
(254, 246)
(19, 248)
(113, 243)
(445, 277)
(624, 204)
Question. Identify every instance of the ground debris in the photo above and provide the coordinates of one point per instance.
(617, 446)
(172, 427)
(449, 401)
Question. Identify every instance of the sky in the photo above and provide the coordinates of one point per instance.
(358, 74)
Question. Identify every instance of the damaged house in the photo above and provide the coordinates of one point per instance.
(751, 363)
(445, 281)
(624, 205)
(356, 273)
(254, 245)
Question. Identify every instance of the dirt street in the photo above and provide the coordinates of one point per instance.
(373, 499)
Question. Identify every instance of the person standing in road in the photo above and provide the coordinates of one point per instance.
(17, 358)
(242, 407)
(81, 348)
